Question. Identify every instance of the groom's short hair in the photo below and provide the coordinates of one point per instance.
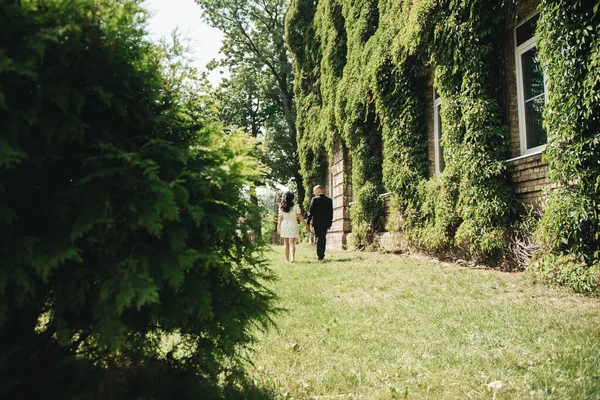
(319, 188)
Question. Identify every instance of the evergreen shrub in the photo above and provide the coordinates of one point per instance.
(126, 268)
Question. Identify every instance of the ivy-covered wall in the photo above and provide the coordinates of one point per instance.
(569, 50)
(362, 70)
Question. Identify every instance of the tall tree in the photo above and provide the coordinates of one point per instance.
(254, 48)
(241, 99)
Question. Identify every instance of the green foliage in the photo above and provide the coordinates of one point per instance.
(245, 100)
(120, 212)
(362, 68)
(438, 217)
(359, 124)
(375, 57)
(475, 142)
(258, 95)
(366, 212)
(569, 50)
(401, 104)
(567, 270)
(301, 38)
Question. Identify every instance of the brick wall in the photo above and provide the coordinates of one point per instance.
(342, 193)
(386, 207)
(386, 204)
(527, 176)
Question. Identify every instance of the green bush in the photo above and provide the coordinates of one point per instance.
(124, 264)
(567, 270)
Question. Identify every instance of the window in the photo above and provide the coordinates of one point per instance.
(440, 164)
(531, 90)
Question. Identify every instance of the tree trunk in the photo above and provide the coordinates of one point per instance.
(286, 100)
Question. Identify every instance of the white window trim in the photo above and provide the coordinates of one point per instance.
(524, 156)
(519, 51)
(436, 133)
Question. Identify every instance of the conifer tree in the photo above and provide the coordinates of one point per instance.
(126, 268)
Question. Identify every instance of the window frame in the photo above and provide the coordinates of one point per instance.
(519, 51)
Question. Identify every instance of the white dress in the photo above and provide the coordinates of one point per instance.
(289, 224)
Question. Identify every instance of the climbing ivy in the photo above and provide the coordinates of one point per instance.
(370, 66)
(301, 39)
(569, 50)
(475, 141)
(376, 57)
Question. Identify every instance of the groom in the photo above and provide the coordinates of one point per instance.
(321, 215)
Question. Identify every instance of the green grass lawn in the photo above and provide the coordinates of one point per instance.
(380, 326)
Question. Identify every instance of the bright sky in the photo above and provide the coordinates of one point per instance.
(186, 15)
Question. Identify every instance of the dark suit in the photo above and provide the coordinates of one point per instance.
(321, 215)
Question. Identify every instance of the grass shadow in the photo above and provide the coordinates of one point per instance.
(328, 261)
(249, 391)
(347, 259)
